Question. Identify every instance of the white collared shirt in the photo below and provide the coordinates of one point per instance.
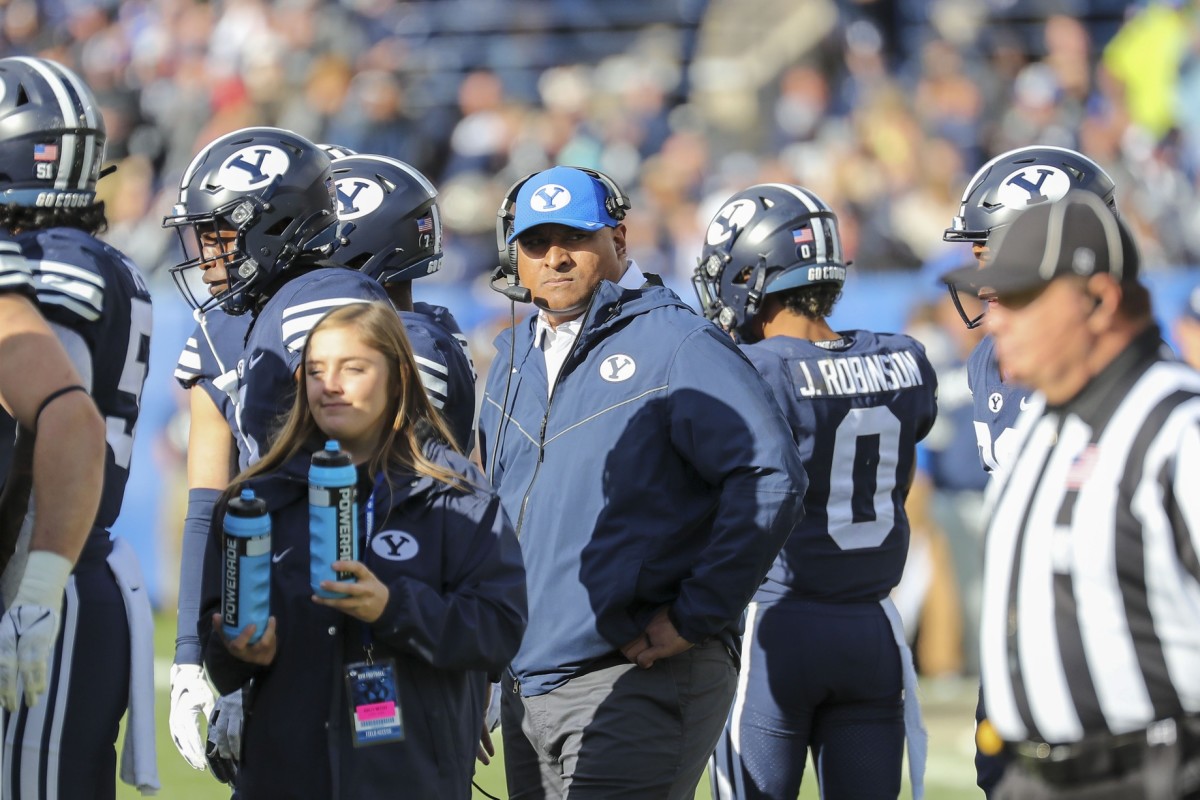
(556, 343)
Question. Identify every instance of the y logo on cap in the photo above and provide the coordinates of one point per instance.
(615, 369)
(550, 197)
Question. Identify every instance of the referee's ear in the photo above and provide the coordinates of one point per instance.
(1104, 297)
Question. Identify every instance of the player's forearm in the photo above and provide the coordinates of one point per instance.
(68, 474)
(191, 568)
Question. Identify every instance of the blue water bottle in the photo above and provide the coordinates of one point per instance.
(332, 516)
(246, 590)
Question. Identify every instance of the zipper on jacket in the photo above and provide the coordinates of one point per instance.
(550, 402)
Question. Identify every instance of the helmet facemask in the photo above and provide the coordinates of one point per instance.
(207, 243)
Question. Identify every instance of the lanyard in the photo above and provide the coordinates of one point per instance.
(369, 524)
(370, 515)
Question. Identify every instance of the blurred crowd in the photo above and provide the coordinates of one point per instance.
(885, 109)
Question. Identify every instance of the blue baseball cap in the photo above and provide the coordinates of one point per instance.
(563, 196)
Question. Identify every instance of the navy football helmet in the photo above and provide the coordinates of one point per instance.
(336, 151)
(1013, 182)
(51, 135)
(268, 189)
(768, 238)
(390, 226)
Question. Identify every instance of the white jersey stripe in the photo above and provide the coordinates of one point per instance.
(295, 330)
(70, 629)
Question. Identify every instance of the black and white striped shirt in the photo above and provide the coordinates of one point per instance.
(1091, 609)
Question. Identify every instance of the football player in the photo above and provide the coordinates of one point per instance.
(1002, 188)
(257, 218)
(825, 665)
(999, 191)
(391, 230)
(51, 148)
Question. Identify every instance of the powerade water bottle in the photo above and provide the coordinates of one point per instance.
(246, 590)
(332, 516)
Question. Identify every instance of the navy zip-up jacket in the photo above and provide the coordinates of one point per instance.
(456, 611)
(659, 473)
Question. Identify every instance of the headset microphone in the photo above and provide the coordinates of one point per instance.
(513, 290)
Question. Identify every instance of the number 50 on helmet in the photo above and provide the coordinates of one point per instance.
(768, 238)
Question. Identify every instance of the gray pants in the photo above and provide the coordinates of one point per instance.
(620, 731)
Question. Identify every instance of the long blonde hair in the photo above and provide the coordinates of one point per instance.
(413, 415)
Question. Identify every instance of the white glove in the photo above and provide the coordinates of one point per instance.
(29, 628)
(191, 700)
(491, 717)
(226, 732)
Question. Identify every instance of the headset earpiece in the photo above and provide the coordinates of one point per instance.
(615, 201)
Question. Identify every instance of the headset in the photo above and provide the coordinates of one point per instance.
(615, 203)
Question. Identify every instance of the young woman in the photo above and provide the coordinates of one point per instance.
(438, 599)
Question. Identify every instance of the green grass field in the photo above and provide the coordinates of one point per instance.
(949, 708)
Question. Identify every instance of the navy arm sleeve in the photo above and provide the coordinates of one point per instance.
(191, 566)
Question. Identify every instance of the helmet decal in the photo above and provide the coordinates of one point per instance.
(357, 197)
(734, 216)
(1033, 185)
(252, 168)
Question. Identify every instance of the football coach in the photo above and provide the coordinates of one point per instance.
(652, 479)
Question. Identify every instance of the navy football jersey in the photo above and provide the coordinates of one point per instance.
(15, 274)
(267, 368)
(857, 409)
(997, 405)
(447, 372)
(210, 358)
(91, 288)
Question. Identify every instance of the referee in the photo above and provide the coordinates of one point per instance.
(1090, 634)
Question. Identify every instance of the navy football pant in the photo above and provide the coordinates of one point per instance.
(989, 769)
(819, 675)
(64, 747)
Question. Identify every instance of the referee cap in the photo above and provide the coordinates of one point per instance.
(564, 196)
(1076, 235)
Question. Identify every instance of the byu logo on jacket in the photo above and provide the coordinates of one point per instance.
(617, 368)
(395, 545)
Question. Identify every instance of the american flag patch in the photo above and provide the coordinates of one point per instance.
(425, 224)
(45, 152)
(1081, 468)
(802, 235)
